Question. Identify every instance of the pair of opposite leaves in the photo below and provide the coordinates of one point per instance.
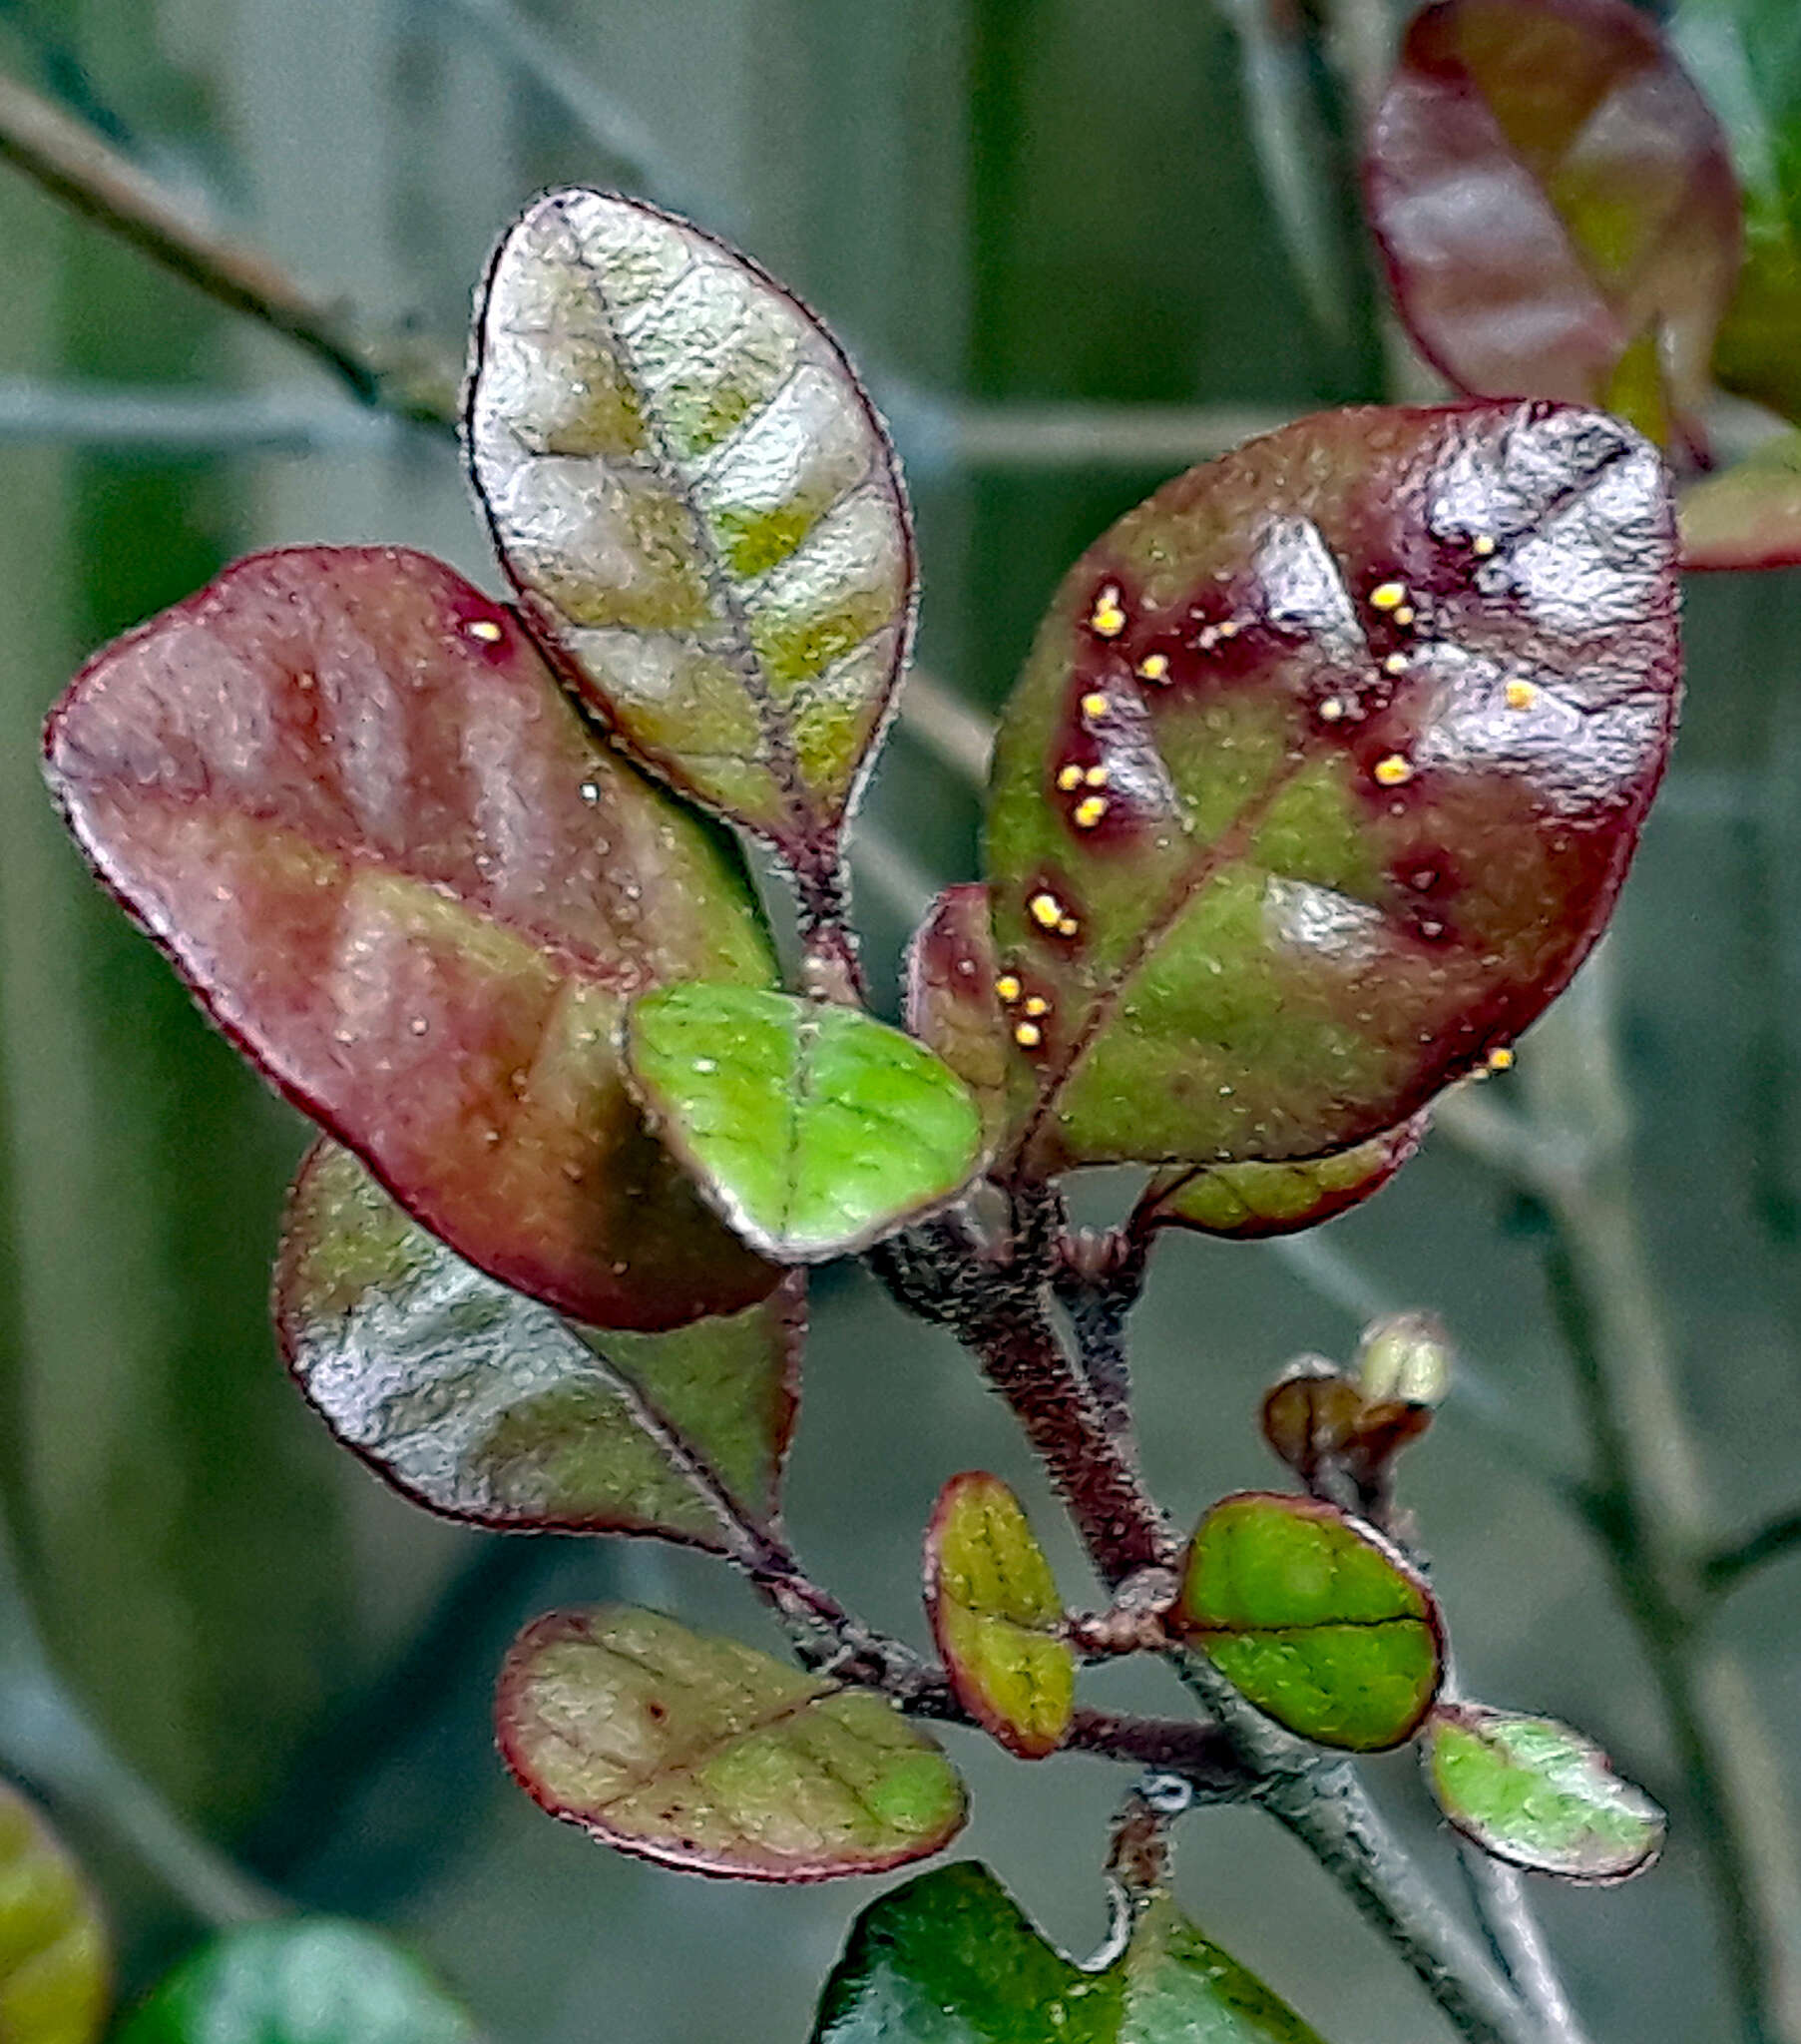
(1320, 781)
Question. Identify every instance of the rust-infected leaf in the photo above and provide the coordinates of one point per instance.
(1322, 776)
(480, 1403)
(699, 506)
(341, 790)
(701, 1753)
(952, 1002)
(1557, 205)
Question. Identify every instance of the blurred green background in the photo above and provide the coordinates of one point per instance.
(1044, 229)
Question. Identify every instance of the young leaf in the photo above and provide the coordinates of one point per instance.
(1746, 56)
(1557, 206)
(1249, 1202)
(1535, 1793)
(701, 1753)
(1749, 516)
(482, 1404)
(813, 1129)
(341, 790)
(1322, 777)
(1314, 1617)
(699, 507)
(308, 1980)
(55, 1956)
(950, 1959)
(952, 1004)
(996, 1616)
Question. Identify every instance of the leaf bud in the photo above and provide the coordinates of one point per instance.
(1405, 1358)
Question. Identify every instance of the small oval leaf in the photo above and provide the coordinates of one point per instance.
(1535, 1793)
(56, 1960)
(996, 1616)
(309, 1980)
(952, 1959)
(699, 507)
(814, 1129)
(1315, 1618)
(342, 791)
(1252, 1201)
(701, 1753)
(1557, 205)
(486, 1406)
(1322, 776)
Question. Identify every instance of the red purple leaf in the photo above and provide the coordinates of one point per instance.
(341, 790)
(1323, 775)
(1557, 205)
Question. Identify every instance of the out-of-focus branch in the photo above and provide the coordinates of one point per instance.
(80, 167)
(1727, 1567)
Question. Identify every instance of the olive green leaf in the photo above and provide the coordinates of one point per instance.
(311, 1980)
(996, 1616)
(950, 1959)
(1249, 1202)
(485, 1405)
(1313, 1617)
(699, 507)
(695, 1752)
(816, 1130)
(1533, 1793)
(1749, 515)
(55, 1955)
(1321, 778)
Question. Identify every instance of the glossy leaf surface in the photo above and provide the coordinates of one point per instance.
(1533, 1793)
(1746, 56)
(56, 1959)
(816, 1130)
(697, 504)
(1749, 516)
(950, 1959)
(952, 1004)
(701, 1753)
(996, 1616)
(342, 791)
(1319, 1622)
(305, 1980)
(482, 1404)
(1322, 776)
(1249, 1202)
(1557, 205)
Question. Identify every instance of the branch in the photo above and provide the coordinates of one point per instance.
(72, 161)
(1727, 1567)
(1498, 1895)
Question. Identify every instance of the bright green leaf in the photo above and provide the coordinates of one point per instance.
(996, 1616)
(480, 1403)
(1533, 1793)
(1314, 1617)
(698, 1752)
(55, 1956)
(816, 1130)
(950, 1959)
(311, 1980)
(699, 506)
